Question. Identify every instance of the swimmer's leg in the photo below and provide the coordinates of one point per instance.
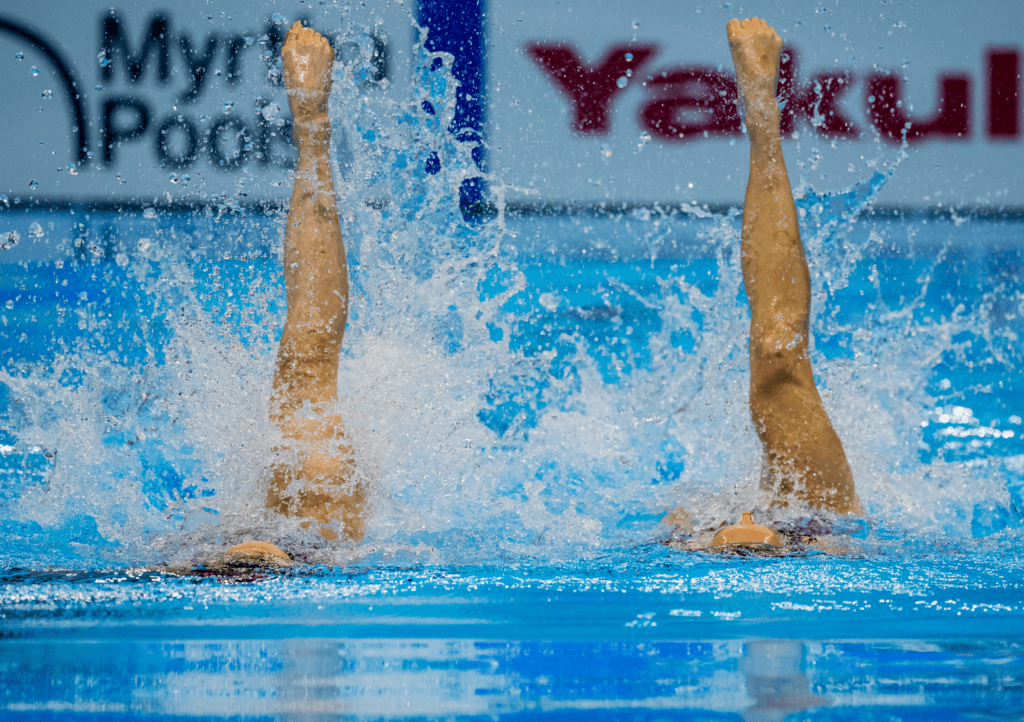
(805, 458)
(320, 484)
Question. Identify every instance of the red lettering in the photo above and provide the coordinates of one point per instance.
(818, 102)
(590, 89)
(1004, 93)
(691, 102)
(885, 108)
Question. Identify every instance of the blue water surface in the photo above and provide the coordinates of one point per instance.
(920, 618)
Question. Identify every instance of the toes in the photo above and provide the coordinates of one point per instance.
(746, 28)
(298, 33)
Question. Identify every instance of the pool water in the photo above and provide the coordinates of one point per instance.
(632, 634)
(526, 395)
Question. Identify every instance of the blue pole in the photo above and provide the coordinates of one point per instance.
(457, 27)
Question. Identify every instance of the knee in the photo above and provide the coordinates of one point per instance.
(308, 370)
(778, 354)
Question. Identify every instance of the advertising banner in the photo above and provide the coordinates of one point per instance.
(604, 102)
(149, 103)
(580, 102)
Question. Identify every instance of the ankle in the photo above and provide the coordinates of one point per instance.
(312, 127)
(765, 128)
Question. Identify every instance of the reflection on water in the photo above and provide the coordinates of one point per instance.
(776, 681)
(645, 632)
(477, 679)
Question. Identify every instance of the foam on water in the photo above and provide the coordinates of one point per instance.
(502, 405)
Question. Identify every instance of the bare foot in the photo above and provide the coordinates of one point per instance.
(308, 61)
(755, 50)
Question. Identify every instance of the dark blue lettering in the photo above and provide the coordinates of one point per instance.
(272, 40)
(181, 158)
(234, 157)
(235, 48)
(114, 42)
(114, 132)
(197, 65)
(264, 140)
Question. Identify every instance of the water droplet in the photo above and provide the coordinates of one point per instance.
(98, 87)
(606, 150)
(173, 177)
(797, 23)
(636, 24)
(72, 169)
(278, 19)
(271, 111)
(9, 240)
(47, 94)
(33, 184)
(143, 245)
(104, 61)
(629, 57)
(34, 71)
(622, 82)
(549, 301)
(19, 56)
(35, 230)
(5, 199)
(149, 213)
(228, 106)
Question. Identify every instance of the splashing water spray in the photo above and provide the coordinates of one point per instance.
(487, 421)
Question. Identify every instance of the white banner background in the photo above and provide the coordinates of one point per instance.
(532, 147)
(36, 145)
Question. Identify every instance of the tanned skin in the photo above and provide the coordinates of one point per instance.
(319, 484)
(804, 456)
